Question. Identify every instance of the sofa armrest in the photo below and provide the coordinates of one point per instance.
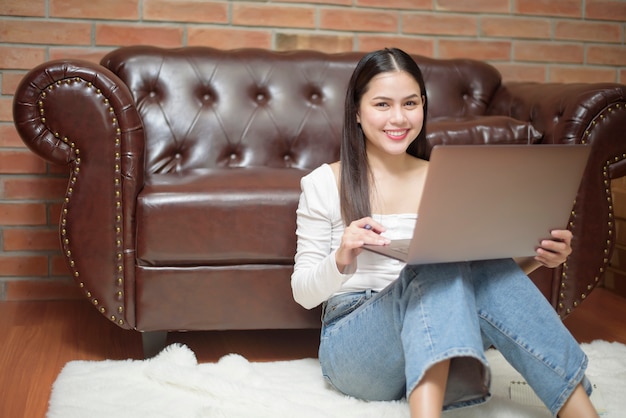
(80, 114)
(593, 114)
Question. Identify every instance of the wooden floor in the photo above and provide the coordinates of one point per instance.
(39, 338)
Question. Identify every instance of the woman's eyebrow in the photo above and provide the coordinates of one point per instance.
(412, 96)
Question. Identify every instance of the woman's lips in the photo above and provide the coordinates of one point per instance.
(397, 135)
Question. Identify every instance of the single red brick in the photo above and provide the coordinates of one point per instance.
(516, 27)
(248, 14)
(607, 55)
(397, 4)
(186, 11)
(28, 31)
(474, 6)
(560, 8)
(582, 75)
(522, 72)
(21, 58)
(138, 34)
(34, 8)
(606, 10)
(229, 38)
(440, 24)
(22, 162)
(588, 31)
(548, 52)
(22, 213)
(34, 188)
(30, 239)
(476, 49)
(359, 20)
(317, 42)
(95, 9)
(23, 265)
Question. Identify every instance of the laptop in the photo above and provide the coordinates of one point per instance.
(491, 201)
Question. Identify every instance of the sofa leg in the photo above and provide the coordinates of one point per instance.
(153, 342)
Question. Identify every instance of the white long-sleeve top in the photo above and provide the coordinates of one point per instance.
(319, 229)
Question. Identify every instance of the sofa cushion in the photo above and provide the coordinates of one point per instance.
(226, 216)
(479, 130)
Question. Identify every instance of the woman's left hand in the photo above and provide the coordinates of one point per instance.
(553, 252)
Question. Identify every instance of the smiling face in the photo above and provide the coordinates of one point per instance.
(391, 112)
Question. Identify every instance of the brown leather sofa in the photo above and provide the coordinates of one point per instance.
(185, 166)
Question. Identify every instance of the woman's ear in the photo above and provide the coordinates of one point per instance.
(358, 118)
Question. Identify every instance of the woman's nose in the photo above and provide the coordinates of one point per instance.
(397, 115)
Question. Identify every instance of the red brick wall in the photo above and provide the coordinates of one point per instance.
(556, 40)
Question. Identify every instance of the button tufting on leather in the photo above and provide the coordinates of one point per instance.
(316, 97)
(261, 95)
(558, 115)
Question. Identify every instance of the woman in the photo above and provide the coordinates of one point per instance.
(390, 330)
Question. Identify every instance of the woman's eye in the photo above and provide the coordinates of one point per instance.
(381, 104)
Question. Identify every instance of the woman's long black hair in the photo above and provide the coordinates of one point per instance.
(354, 183)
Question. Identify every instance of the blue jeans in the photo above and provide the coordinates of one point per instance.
(378, 345)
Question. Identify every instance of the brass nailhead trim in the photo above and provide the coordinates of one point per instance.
(74, 178)
(609, 199)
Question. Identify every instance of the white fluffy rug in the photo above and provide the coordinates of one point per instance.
(173, 384)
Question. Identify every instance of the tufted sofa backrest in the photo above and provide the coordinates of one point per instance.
(207, 108)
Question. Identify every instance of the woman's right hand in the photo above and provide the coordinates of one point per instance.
(358, 233)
